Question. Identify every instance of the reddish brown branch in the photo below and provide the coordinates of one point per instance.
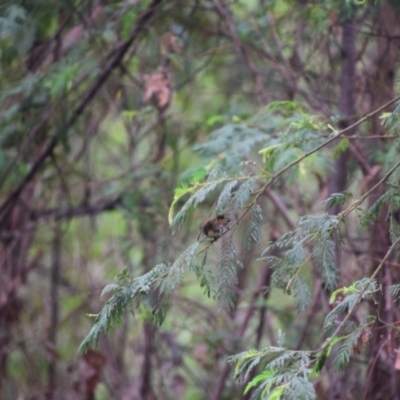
(55, 214)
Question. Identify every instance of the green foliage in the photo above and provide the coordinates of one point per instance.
(226, 275)
(359, 290)
(242, 195)
(337, 198)
(229, 181)
(17, 31)
(206, 276)
(198, 194)
(394, 290)
(391, 200)
(301, 292)
(230, 143)
(118, 154)
(346, 348)
(226, 195)
(315, 232)
(284, 375)
(237, 185)
(175, 273)
(373, 212)
(251, 235)
(340, 148)
(132, 292)
(391, 119)
(324, 354)
(123, 296)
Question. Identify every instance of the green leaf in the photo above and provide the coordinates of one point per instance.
(277, 393)
(179, 193)
(301, 293)
(340, 148)
(267, 151)
(337, 198)
(214, 119)
(267, 374)
(322, 357)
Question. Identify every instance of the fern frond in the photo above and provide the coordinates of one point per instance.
(199, 194)
(394, 228)
(301, 293)
(205, 275)
(110, 288)
(251, 236)
(394, 290)
(345, 350)
(242, 194)
(229, 143)
(343, 307)
(373, 212)
(285, 373)
(252, 233)
(226, 275)
(324, 256)
(111, 314)
(300, 388)
(225, 196)
(337, 198)
(177, 270)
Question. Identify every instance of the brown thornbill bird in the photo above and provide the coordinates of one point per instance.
(215, 227)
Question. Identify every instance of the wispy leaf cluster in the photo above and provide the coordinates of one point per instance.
(313, 239)
(337, 198)
(123, 296)
(226, 276)
(251, 234)
(391, 200)
(175, 273)
(346, 348)
(235, 192)
(229, 144)
(362, 289)
(284, 373)
(131, 292)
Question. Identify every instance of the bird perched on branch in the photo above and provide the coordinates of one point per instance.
(215, 227)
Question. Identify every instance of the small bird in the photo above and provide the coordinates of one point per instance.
(215, 227)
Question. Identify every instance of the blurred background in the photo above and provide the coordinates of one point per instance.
(102, 104)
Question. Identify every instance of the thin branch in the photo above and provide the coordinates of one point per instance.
(56, 214)
(362, 198)
(281, 207)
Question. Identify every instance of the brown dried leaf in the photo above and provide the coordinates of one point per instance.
(363, 340)
(157, 88)
(90, 367)
(95, 360)
(170, 44)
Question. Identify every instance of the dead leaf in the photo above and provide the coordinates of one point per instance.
(170, 44)
(90, 367)
(158, 88)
